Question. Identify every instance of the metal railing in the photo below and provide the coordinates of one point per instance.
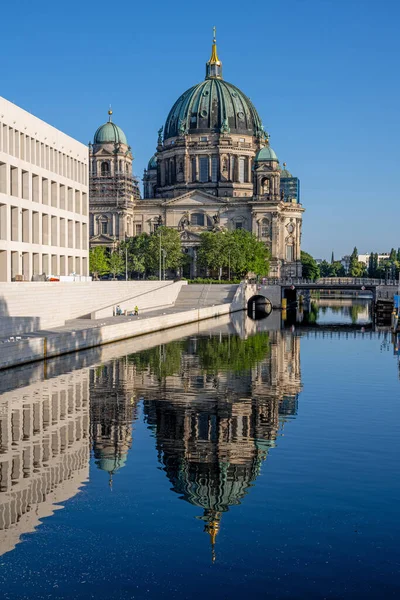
(328, 281)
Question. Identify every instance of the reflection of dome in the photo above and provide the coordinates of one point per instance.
(266, 154)
(109, 133)
(111, 464)
(213, 105)
(152, 163)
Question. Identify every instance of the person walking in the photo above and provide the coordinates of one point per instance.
(136, 311)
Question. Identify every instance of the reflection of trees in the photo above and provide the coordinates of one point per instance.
(161, 361)
(311, 316)
(232, 352)
(213, 353)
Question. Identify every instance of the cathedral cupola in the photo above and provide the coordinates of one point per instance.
(214, 65)
(110, 133)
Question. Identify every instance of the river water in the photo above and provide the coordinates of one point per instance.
(224, 459)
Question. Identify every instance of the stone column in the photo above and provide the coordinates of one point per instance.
(121, 228)
(209, 167)
(249, 173)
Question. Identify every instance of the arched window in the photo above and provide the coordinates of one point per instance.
(290, 249)
(105, 168)
(104, 226)
(265, 186)
(264, 228)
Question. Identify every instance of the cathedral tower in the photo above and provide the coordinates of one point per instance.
(112, 187)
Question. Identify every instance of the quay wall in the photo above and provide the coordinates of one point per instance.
(26, 307)
(63, 342)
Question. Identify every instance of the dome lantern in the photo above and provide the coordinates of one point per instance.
(214, 65)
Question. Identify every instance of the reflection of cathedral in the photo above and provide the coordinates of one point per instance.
(212, 443)
(213, 169)
(44, 451)
(216, 405)
(112, 412)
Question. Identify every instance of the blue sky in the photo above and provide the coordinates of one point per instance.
(323, 75)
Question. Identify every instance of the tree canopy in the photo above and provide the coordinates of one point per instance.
(310, 267)
(99, 263)
(239, 251)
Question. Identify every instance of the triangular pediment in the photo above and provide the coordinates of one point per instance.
(190, 236)
(102, 238)
(103, 152)
(196, 198)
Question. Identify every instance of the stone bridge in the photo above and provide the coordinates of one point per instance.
(271, 291)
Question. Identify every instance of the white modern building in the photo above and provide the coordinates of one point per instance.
(43, 198)
(364, 258)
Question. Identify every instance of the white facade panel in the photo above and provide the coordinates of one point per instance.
(44, 200)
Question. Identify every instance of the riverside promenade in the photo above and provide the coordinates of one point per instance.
(194, 303)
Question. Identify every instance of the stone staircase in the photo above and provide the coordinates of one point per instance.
(202, 295)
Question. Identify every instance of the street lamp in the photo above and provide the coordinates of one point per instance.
(164, 253)
(159, 223)
(126, 257)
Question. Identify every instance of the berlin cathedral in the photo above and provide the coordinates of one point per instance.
(213, 169)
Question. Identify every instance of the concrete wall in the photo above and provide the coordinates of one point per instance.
(271, 292)
(28, 307)
(38, 348)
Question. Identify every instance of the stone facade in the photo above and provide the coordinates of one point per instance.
(113, 189)
(213, 169)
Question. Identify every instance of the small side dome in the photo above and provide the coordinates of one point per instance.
(110, 133)
(152, 163)
(285, 173)
(266, 154)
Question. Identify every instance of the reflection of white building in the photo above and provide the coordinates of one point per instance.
(43, 198)
(44, 451)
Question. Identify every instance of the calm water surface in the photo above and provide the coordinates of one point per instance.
(221, 460)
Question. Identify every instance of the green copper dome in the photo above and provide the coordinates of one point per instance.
(152, 163)
(213, 105)
(285, 173)
(110, 133)
(266, 154)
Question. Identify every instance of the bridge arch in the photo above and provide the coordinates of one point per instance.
(258, 307)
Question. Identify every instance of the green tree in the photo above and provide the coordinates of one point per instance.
(337, 269)
(248, 254)
(116, 262)
(98, 261)
(238, 250)
(393, 255)
(171, 247)
(137, 253)
(325, 269)
(213, 252)
(310, 267)
(353, 266)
